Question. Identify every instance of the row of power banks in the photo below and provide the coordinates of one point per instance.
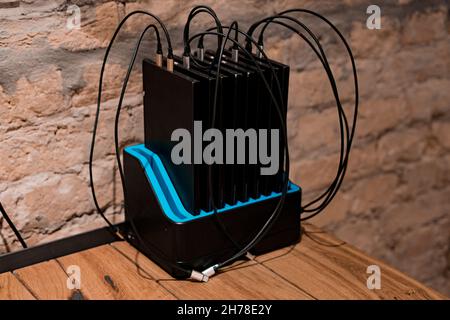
(182, 98)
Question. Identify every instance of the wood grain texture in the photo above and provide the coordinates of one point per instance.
(244, 280)
(329, 268)
(106, 274)
(319, 267)
(52, 275)
(12, 289)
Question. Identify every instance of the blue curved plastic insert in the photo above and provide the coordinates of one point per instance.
(165, 191)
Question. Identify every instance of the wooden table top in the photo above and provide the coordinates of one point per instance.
(319, 267)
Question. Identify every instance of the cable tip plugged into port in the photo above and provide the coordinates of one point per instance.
(186, 61)
(159, 59)
(235, 55)
(260, 51)
(201, 54)
(250, 256)
(210, 271)
(170, 64)
(198, 276)
(120, 235)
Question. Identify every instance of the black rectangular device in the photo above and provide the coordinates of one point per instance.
(168, 213)
(173, 100)
(207, 83)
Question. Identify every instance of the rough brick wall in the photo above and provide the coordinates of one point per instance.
(394, 203)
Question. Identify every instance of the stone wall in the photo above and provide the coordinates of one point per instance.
(395, 201)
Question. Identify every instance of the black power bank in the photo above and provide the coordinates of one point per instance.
(207, 83)
(173, 100)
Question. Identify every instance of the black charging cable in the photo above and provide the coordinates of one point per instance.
(213, 125)
(99, 98)
(99, 209)
(273, 217)
(322, 57)
(235, 46)
(341, 113)
(329, 197)
(342, 117)
(186, 273)
(234, 25)
(329, 194)
(13, 227)
(187, 56)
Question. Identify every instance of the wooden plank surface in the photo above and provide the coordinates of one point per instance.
(12, 289)
(52, 275)
(106, 274)
(329, 268)
(247, 280)
(319, 267)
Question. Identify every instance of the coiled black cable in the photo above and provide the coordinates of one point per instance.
(187, 47)
(273, 217)
(344, 129)
(117, 147)
(329, 194)
(341, 114)
(99, 98)
(329, 197)
(195, 11)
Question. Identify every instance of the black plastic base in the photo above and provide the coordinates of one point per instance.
(200, 243)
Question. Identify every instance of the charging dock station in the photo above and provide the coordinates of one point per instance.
(172, 234)
(186, 216)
